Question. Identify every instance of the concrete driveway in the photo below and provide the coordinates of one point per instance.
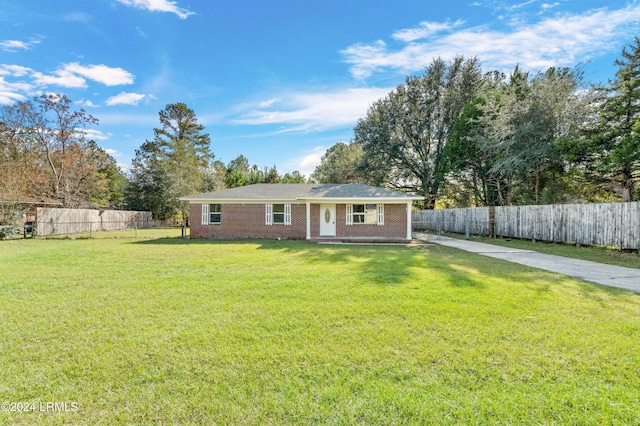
(609, 275)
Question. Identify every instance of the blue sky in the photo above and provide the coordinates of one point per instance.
(279, 81)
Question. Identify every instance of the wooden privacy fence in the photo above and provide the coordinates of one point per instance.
(460, 221)
(610, 224)
(50, 221)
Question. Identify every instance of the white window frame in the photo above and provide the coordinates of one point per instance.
(212, 212)
(377, 214)
(269, 213)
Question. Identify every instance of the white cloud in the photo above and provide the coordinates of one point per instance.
(74, 75)
(14, 70)
(125, 98)
(113, 152)
(426, 29)
(312, 160)
(159, 6)
(317, 110)
(9, 97)
(563, 40)
(101, 73)
(62, 78)
(11, 92)
(96, 135)
(268, 103)
(13, 45)
(87, 103)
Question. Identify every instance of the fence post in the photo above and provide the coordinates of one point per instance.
(90, 229)
(466, 229)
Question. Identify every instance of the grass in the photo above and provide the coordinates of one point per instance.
(159, 330)
(609, 255)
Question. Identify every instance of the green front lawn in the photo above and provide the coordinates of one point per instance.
(161, 330)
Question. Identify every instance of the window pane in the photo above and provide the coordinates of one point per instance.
(278, 217)
(371, 217)
(358, 218)
(358, 208)
(215, 218)
(278, 208)
(215, 208)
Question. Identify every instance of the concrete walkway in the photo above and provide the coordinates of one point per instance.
(609, 275)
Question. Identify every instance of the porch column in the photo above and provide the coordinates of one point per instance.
(409, 205)
(308, 220)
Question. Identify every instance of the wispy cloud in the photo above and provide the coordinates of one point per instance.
(14, 70)
(96, 135)
(159, 6)
(316, 110)
(125, 98)
(268, 102)
(424, 30)
(17, 45)
(15, 91)
(79, 17)
(562, 40)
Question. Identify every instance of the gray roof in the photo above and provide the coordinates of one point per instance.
(301, 191)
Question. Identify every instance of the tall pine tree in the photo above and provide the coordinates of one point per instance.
(172, 165)
(615, 148)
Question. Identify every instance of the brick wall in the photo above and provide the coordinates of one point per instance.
(395, 224)
(248, 221)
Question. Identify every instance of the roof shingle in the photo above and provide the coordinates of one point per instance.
(300, 191)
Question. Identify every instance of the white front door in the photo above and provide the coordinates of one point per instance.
(327, 220)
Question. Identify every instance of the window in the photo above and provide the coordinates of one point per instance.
(211, 213)
(372, 214)
(364, 213)
(278, 214)
(215, 213)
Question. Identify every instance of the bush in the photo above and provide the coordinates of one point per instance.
(9, 215)
(7, 231)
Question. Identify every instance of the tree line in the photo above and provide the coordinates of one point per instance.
(454, 135)
(47, 157)
(460, 137)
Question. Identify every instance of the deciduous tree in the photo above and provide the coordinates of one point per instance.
(403, 135)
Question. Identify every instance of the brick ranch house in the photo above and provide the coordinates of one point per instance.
(302, 211)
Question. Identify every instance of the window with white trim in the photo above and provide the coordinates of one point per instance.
(215, 213)
(211, 214)
(278, 214)
(365, 214)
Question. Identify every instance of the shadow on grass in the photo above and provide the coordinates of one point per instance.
(385, 265)
(393, 265)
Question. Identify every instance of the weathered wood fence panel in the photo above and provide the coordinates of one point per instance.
(53, 221)
(472, 220)
(610, 224)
